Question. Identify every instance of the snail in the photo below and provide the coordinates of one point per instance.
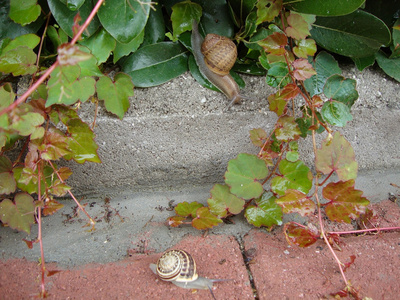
(215, 55)
(179, 267)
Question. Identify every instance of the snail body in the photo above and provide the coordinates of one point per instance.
(215, 55)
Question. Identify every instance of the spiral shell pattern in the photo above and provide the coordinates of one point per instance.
(219, 52)
(177, 265)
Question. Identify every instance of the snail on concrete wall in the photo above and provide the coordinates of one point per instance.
(179, 267)
(215, 55)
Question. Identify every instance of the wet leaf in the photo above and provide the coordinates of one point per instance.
(336, 154)
(345, 202)
(336, 113)
(24, 12)
(175, 221)
(186, 209)
(243, 173)
(18, 61)
(115, 94)
(326, 8)
(299, 235)
(18, 214)
(298, 27)
(341, 89)
(287, 129)
(205, 219)
(302, 69)
(267, 10)
(182, 15)
(296, 202)
(265, 213)
(53, 146)
(294, 175)
(222, 201)
(50, 207)
(7, 181)
(274, 43)
(258, 136)
(305, 48)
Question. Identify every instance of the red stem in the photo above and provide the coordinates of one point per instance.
(39, 220)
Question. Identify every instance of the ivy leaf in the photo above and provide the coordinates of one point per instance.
(18, 61)
(125, 49)
(267, 10)
(182, 15)
(65, 87)
(302, 69)
(81, 142)
(274, 43)
(186, 209)
(299, 235)
(336, 113)
(290, 91)
(278, 74)
(243, 173)
(51, 206)
(24, 12)
(115, 94)
(298, 27)
(27, 40)
(26, 122)
(7, 181)
(390, 66)
(345, 202)
(222, 201)
(287, 129)
(305, 48)
(277, 104)
(59, 188)
(100, 44)
(294, 175)
(341, 89)
(258, 136)
(296, 202)
(336, 154)
(265, 213)
(53, 146)
(175, 221)
(18, 214)
(205, 219)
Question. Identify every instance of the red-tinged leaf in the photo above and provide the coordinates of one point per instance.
(71, 55)
(223, 201)
(7, 180)
(186, 209)
(305, 48)
(345, 202)
(274, 43)
(50, 207)
(175, 221)
(53, 146)
(258, 136)
(58, 188)
(205, 219)
(29, 243)
(290, 91)
(296, 202)
(336, 154)
(348, 264)
(287, 129)
(298, 27)
(267, 10)
(368, 220)
(277, 104)
(317, 101)
(64, 173)
(302, 69)
(18, 214)
(299, 235)
(52, 272)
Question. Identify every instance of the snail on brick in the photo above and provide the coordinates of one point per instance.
(215, 55)
(179, 267)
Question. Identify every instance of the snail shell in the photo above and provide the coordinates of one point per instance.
(219, 52)
(176, 265)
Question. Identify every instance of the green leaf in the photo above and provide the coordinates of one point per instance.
(298, 27)
(336, 113)
(81, 142)
(278, 74)
(186, 209)
(305, 48)
(100, 44)
(155, 64)
(359, 34)
(243, 173)
(57, 37)
(27, 40)
(294, 175)
(26, 122)
(65, 17)
(182, 15)
(24, 12)
(155, 28)
(7, 181)
(287, 129)
(65, 87)
(296, 202)
(18, 215)
(300, 235)
(125, 49)
(222, 201)
(325, 8)
(345, 202)
(275, 43)
(18, 61)
(389, 66)
(124, 20)
(341, 89)
(205, 219)
(325, 66)
(277, 104)
(267, 10)
(265, 213)
(258, 136)
(364, 62)
(336, 154)
(115, 94)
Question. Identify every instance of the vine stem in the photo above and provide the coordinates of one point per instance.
(39, 220)
(53, 66)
